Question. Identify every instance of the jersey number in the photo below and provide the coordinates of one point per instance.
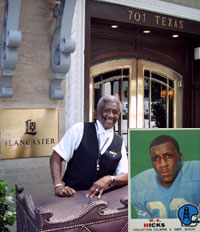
(174, 205)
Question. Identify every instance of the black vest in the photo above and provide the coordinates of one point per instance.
(81, 169)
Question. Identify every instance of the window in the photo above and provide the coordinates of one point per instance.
(158, 100)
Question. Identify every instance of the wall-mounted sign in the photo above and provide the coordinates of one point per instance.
(115, 12)
(28, 132)
(155, 20)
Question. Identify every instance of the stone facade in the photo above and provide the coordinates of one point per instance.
(190, 3)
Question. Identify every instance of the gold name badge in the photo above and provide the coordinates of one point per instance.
(113, 153)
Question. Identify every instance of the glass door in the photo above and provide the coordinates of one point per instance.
(151, 94)
(160, 101)
(115, 78)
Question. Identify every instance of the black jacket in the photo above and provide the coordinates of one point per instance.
(81, 169)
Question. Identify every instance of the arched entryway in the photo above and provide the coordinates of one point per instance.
(118, 36)
(151, 93)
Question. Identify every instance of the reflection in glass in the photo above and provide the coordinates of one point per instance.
(146, 103)
(158, 100)
(97, 95)
(158, 105)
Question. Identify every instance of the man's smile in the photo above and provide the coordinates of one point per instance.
(109, 115)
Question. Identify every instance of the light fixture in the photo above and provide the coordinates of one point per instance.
(146, 31)
(171, 93)
(115, 26)
(164, 93)
(175, 36)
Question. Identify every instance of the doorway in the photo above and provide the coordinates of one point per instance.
(150, 93)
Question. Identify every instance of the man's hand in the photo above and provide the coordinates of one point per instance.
(56, 169)
(64, 191)
(99, 186)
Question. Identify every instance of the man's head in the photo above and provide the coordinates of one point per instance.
(166, 159)
(108, 111)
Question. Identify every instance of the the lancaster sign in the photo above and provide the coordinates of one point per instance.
(28, 132)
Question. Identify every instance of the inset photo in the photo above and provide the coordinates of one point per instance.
(164, 177)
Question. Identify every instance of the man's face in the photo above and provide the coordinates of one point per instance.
(108, 115)
(166, 162)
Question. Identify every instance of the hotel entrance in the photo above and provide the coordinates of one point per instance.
(151, 94)
(149, 60)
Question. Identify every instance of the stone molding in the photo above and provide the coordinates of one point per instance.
(10, 41)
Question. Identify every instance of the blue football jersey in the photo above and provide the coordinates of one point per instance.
(151, 200)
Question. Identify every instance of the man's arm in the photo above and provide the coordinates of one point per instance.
(103, 183)
(56, 173)
(121, 177)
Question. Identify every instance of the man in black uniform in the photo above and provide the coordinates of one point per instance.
(95, 156)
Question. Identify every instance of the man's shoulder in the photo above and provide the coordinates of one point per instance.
(89, 123)
(88, 126)
(145, 180)
(76, 128)
(193, 165)
(76, 125)
(191, 170)
(118, 137)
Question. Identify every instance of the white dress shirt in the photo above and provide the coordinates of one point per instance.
(72, 139)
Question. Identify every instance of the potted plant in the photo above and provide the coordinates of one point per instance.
(7, 210)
